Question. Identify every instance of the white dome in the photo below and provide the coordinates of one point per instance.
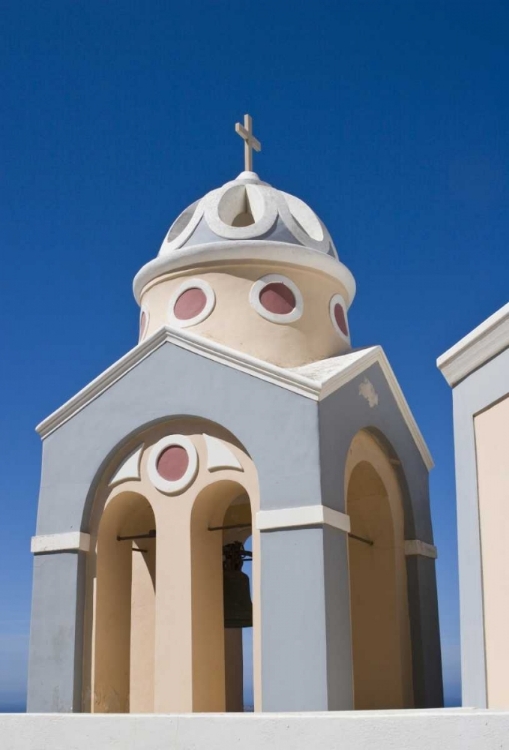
(247, 218)
(248, 209)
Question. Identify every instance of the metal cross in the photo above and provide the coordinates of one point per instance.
(250, 142)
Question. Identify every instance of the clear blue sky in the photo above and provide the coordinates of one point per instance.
(389, 118)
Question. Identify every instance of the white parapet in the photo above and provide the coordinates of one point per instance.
(454, 729)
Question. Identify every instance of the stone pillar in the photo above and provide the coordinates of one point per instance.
(425, 632)
(306, 637)
(56, 635)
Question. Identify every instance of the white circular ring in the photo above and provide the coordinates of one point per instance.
(275, 278)
(286, 203)
(267, 211)
(165, 485)
(338, 299)
(209, 304)
(187, 230)
(143, 331)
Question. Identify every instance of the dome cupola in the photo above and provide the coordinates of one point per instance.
(253, 268)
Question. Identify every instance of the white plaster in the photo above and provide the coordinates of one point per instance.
(192, 256)
(188, 226)
(129, 469)
(70, 541)
(226, 202)
(275, 278)
(219, 456)
(179, 485)
(367, 391)
(209, 304)
(303, 223)
(423, 549)
(480, 345)
(305, 217)
(334, 300)
(307, 515)
(144, 312)
(454, 729)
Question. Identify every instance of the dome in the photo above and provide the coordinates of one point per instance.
(247, 219)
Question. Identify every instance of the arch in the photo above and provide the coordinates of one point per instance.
(183, 423)
(381, 641)
(217, 653)
(186, 625)
(124, 617)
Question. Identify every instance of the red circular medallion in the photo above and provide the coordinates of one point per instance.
(172, 463)
(277, 298)
(340, 318)
(190, 304)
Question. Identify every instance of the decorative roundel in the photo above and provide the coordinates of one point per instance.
(277, 299)
(193, 301)
(172, 464)
(337, 310)
(144, 318)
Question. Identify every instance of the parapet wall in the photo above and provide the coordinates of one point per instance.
(454, 729)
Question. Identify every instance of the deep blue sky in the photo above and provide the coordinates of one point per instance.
(389, 118)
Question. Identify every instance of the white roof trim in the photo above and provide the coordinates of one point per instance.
(236, 251)
(315, 381)
(68, 541)
(475, 349)
(302, 516)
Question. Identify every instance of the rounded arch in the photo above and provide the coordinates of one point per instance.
(381, 640)
(123, 626)
(188, 673)
(225, 503)
(182, 423)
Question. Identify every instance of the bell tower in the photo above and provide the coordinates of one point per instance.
(242, 413)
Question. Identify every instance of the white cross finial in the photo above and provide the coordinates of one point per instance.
(250, 142)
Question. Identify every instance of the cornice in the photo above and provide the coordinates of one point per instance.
(315, 381)
(247, 251)
(475, 349)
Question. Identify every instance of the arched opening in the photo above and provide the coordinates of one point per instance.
(238, 635)
(124, 622)
(221, 517)
(378, 594)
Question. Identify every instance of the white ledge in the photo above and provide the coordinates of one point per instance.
(475, 349)
(421, 549)
(316, 380)
(307, 515)
(407, 729)
(70, 541)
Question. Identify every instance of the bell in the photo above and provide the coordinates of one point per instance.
(238, 610)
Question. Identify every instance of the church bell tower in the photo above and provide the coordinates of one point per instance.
(243, 413)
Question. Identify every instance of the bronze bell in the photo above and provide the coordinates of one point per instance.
(238, 610)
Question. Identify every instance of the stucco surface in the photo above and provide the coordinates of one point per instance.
(299, 448)
(168, 383)
(342, 415)
(491, 432)
(454, 729)
(473, 394)
(56, 633)
(297, 637)
(234, 322)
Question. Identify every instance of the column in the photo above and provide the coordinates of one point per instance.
(305, 610)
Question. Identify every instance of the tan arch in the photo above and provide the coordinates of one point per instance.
(122, 657)
(381, 640)
(187, 674)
